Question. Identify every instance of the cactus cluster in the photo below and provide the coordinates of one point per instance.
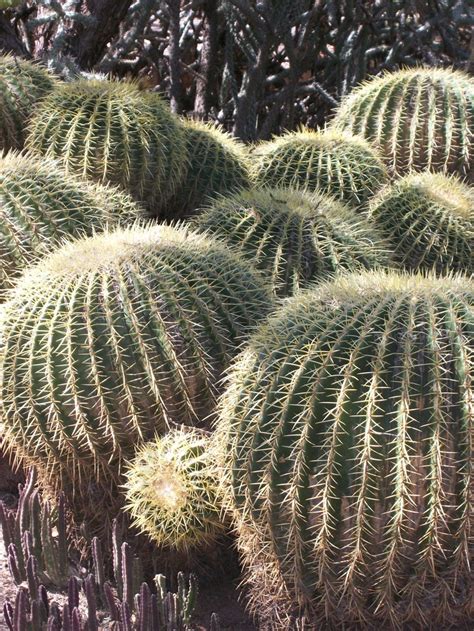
(347, 430)
(294, 237)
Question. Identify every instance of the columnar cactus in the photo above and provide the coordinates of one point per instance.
(40, 207)
(331, 162)
(112, 132)
(294, 237)
(22, 84)
(428, 218)
(348, 434)
(418, 118)
(172, 490)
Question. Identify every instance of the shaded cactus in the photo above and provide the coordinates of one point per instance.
(331, 162)
(347, 431)
(418, 118)
(428, 219)
(40, 207)
(292, 236)
(172, 490)
(111, 132)
(22, 84)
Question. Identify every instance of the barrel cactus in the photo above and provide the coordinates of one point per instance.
(112, 132)
(22, 84)
(418, 118)
(330, 162)
(429, 220)
(294, 237)
(172, 490)
(348, 434)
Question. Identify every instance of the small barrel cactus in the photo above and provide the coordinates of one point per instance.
(172, 490)
(112, 132)
(217, 164)
(294, 237)
(347, 430)
(428, 218)
(22, 84)
(40, 207)
(331, 162)
(418, 118)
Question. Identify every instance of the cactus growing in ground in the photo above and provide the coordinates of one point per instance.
(40, 207)
(428, 218)
(418, 118)
(331, 162)
(294, 237)
(172, 490)
(348, 430)
(112, 132)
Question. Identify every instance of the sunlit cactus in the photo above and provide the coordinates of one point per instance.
(428, 218)
(418, 118)
(331, 162)
(347, 435)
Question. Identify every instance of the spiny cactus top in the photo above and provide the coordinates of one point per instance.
(341, 165)
(349, 431)
(40, 207)
(428, 219)
(295, 237)
(111, 131)
(217, 164)
(419, 118)
(22, 84)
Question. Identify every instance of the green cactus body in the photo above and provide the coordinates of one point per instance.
(418, 118)
(331, 162)
(217, 164)
(172, 490)
(348, 436)
(111, 132)
(428, 218)
(22, 84)
(40, 207)
(292, 236)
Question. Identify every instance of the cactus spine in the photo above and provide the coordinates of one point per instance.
(348, 434)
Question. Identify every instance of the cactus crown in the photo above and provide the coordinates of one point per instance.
(296, 237)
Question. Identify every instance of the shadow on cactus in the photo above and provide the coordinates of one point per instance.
(294, 237)
(347, 437)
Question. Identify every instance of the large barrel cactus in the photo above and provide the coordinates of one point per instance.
(40, 207)
(348, 434)
(418, 118)
(22, 84)
(294, 237)
(428, 218)
(112, 132)
(112, 340)
(331, 162)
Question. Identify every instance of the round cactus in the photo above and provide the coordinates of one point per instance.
(331, 162)
(419, 118)
(172, 490)
(22, 84)
(294, 237)
(217, 164)
(111, 131)
(40, 207)
(348, 435)
(428, 218)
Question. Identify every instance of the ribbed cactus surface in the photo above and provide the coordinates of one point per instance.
(348, 434)
(419, 118)
(428, 218)
(331, 162)
(294, 237)
(22, 84)
(112, 132)
(40, 207)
